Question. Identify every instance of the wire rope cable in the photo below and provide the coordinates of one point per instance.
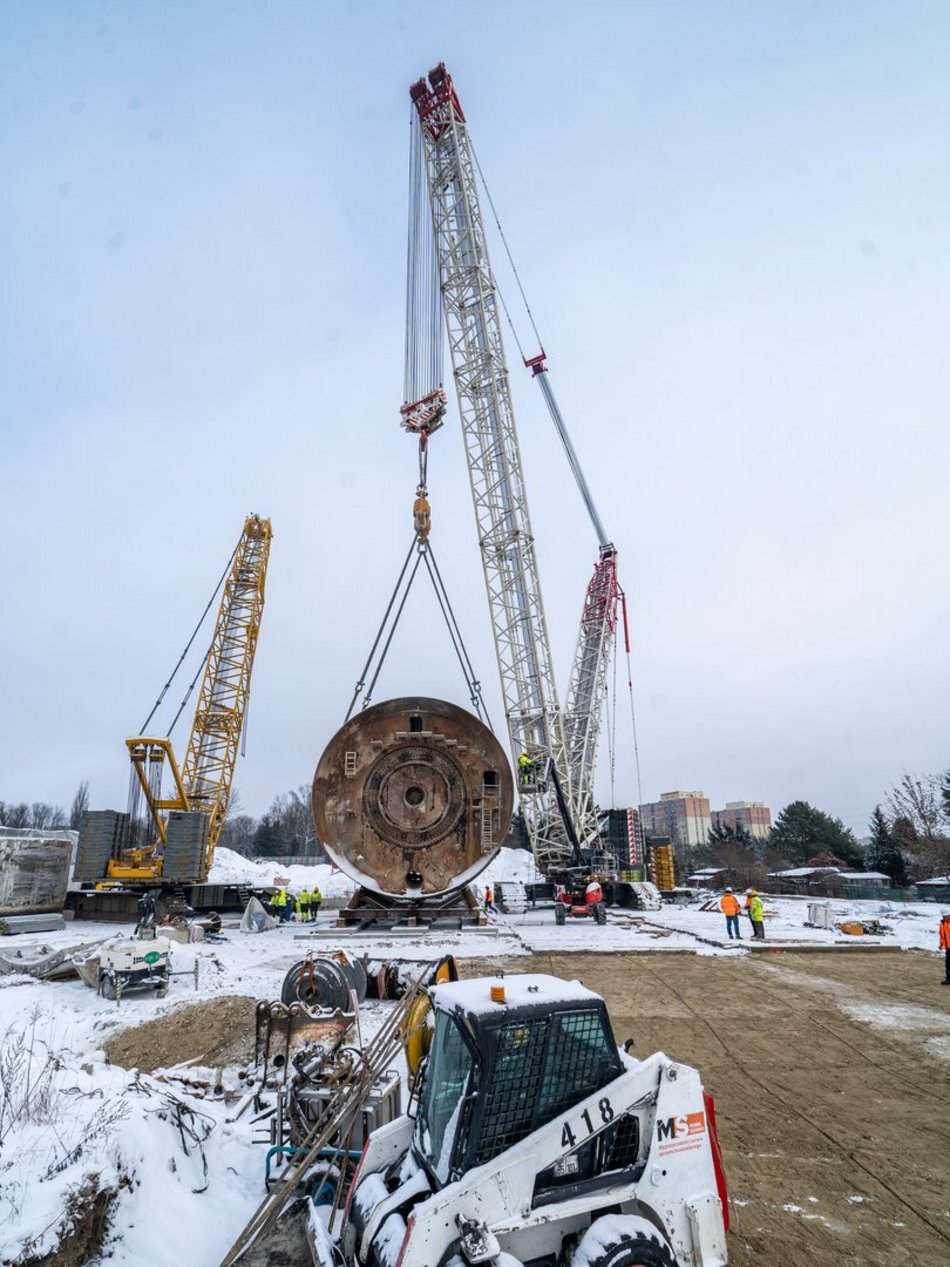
(633, 721)
(194, 635)
(455, 633)
(369, 659)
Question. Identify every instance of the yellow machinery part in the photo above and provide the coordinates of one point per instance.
(416, 1034)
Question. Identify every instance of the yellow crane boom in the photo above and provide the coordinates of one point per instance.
(203, 783)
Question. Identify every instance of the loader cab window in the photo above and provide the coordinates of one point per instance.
(441, 1102)
(542, 1066)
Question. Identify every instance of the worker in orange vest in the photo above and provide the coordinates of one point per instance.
(945, 944)
(729, 905)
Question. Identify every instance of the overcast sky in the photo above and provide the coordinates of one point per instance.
(731, 220)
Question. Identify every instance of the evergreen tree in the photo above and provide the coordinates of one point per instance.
(267, 838)
(801, 831)
(722, 834)
(883, 852)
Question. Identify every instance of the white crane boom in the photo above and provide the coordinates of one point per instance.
(505, 538)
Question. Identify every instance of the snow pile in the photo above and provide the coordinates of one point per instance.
(85, 1143)
(263, 873)
(58, 1135)
(511, 865)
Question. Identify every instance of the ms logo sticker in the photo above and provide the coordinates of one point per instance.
(680, 1134)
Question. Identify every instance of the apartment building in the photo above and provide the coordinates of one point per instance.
(684, 817)
(754, 816)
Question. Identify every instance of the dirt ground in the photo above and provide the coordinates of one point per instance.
(214, 1032)
(830, 1075)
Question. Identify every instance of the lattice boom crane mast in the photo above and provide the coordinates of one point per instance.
(203, 784)
(494, 462)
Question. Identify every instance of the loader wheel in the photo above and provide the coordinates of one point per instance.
(600, 915)
(560, 914)
(107, 987)
(630, 1242)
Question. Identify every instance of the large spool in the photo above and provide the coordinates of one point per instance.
(412, 797)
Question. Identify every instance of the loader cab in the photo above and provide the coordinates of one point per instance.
(500, 1068)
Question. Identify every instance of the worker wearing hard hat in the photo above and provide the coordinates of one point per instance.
(729, 905)
(753, 906)
(945, 944)
(525, 769)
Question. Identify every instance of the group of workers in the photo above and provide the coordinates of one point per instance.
(729, 905)
(305, 905)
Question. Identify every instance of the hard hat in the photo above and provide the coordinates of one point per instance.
(728, 890)
(945, 914)
(751, 892)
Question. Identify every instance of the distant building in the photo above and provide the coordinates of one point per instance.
(623, 837)
(708, 878)
(682, 816)
(804, 877)
(935, 890)
(755, 817)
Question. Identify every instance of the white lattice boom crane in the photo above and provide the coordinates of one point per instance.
(603, 604)
(470, 303)
(471, 306)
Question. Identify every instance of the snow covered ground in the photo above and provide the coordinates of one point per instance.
(192, 1177)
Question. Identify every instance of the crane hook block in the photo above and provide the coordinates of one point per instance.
(421, 514)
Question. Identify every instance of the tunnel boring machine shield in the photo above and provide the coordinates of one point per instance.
(412, 796)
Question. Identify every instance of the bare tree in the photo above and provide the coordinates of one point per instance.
(918, 801)
(16, 815)
(79, 806)
(47, 817)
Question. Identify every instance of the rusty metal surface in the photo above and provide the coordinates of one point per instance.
(412, 797)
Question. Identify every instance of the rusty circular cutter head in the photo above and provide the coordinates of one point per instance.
(412, 797)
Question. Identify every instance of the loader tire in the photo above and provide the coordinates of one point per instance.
(560, 914)
(108, 988)
(600, 914)
(637, 1244)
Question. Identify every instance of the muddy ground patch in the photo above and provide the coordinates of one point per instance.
(832, 1099)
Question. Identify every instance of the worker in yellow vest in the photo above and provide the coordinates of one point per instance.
(753, 906)
(303, 905)
(316, 897)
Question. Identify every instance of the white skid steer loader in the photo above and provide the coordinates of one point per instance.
(533, 1140)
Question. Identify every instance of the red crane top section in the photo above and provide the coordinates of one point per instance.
(430, 97)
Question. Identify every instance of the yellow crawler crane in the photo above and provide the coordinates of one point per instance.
(203, 784)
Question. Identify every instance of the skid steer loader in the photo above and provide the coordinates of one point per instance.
(532, 1140)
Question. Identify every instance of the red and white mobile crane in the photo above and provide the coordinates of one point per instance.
(537, 724)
